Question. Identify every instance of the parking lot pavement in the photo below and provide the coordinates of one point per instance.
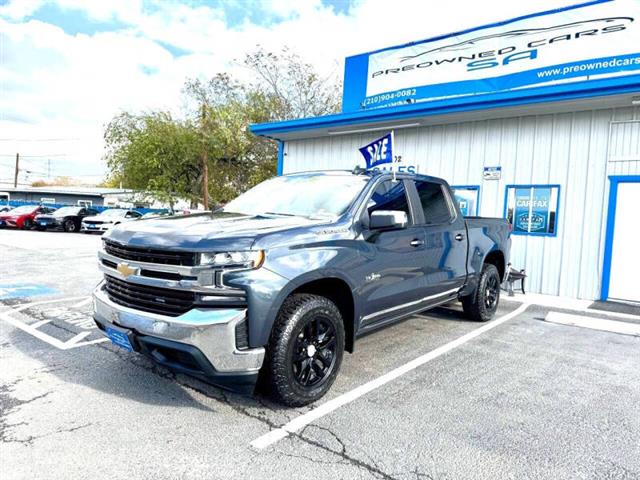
(523, 399)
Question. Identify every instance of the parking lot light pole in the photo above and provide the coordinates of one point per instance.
(15, 175)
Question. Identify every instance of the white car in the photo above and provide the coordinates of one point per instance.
(107, 219)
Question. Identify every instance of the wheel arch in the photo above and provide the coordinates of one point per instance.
(496, 258)
(330, 285)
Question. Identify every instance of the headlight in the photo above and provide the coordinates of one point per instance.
(248, 259)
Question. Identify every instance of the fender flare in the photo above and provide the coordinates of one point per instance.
(308, 277)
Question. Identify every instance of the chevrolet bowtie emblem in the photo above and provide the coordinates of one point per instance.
(125, 270)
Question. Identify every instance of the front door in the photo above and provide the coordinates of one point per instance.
(625, 253)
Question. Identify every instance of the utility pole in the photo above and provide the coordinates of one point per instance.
(49, 168)
(205, 162)
(15, 176)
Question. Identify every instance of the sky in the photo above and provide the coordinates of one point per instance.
(68, 66)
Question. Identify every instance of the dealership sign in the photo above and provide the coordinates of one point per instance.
(593, 40)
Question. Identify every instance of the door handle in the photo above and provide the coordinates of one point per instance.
(416, 243)
(459, 237)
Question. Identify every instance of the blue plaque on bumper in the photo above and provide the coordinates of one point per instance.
(119, 337)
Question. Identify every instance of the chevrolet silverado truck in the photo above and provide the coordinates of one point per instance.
(279, 283)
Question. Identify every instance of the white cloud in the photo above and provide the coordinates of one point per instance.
(58, 85)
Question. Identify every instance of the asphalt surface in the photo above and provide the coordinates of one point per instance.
(526, 399)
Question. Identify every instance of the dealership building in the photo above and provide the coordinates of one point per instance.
(535, 119)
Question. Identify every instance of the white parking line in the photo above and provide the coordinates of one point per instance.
(311, 416)
(33, 328)
(613, 326)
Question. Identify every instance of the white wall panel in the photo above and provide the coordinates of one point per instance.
(571, 149)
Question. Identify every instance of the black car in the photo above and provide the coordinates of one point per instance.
(66, 218)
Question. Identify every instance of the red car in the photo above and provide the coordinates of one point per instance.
(22, 217)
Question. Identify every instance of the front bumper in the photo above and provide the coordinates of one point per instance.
(205, 336)
(95, 227)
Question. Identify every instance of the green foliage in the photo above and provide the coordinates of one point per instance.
(164, 156)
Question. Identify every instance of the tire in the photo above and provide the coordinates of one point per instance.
(481, 305)
(27, 224)
(305, 349)
(69, 226)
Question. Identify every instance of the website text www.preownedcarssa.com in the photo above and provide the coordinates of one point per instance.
(594, 66)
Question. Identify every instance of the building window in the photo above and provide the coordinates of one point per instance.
(467, 198)
(85, 203)
(533, 209)
(47, 200)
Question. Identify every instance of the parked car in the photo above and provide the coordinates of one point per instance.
(65, 218)
(23, 217)
(5, 208)
(287, 276)
(107, 219)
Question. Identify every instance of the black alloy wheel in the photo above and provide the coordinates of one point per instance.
(314, 352)
(492, 291)
(27, 224)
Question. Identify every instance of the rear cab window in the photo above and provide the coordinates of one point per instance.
(435, 203)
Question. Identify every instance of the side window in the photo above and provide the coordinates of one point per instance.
(434, 203)
(389, 195)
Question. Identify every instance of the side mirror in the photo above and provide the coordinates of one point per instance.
(384, 219)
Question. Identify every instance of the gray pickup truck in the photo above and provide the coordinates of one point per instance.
(282, 280)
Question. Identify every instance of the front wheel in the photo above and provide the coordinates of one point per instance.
(305, 349)
(27, 224)
(482, 303)
(69, 226)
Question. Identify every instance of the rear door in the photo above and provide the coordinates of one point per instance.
(445, 259)
(392, 276)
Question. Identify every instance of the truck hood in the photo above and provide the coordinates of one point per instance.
(204, 232)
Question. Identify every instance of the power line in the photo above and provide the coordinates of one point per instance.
(38, 139)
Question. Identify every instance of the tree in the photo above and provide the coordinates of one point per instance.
(292, 86)
(154, 152)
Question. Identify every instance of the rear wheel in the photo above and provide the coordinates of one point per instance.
(69, 226)
(481, 305)
(305, 350)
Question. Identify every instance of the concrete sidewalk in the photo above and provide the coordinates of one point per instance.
(565, 303)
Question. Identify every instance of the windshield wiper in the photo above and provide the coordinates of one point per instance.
(280, 214)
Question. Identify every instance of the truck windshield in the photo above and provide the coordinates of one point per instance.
(309, 195)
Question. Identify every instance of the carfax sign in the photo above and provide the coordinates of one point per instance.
(532, 210)
(591, 40)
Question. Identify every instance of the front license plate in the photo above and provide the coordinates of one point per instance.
(119, 338)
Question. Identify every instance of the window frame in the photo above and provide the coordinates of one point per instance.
(475, 188)
(530, 186)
